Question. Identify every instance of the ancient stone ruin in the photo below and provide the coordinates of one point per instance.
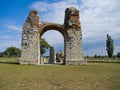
(52, 55)
(60, 56)
(33, 29)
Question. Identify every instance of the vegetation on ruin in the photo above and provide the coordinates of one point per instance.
(94, 76)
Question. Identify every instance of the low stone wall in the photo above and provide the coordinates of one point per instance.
(76, 62)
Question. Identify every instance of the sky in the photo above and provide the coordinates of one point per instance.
(98, 18)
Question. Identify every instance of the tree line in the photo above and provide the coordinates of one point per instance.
(11, 52)
(109, 49)
(16, 52)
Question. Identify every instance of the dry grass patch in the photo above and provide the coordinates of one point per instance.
(94, 76)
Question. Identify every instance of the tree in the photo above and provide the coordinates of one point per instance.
(43, 46)
(95, 56)
(118, 54)
(12, 52)
(1, 54)
(109, 46)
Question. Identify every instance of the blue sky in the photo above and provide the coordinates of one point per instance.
(98, 18)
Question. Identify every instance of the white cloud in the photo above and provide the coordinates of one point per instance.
(6, 44)
(11, 35)
(56, 40)
(53, 12)
(41, 6)
(98, 17)
(14, 27)
(100, 51)
(10, 40)
(117, 49)
(10, 25)
(5, 37)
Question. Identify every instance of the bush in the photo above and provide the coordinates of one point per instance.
(11, 52)
(95, 56)
(1, 54)
(118, 54)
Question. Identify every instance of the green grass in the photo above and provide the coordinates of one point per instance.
(94, 76)
(8, 59)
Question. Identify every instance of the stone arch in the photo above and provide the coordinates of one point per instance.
(53, 26)
(33, 29)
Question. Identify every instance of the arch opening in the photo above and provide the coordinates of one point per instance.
(52, 26)
(55, 36)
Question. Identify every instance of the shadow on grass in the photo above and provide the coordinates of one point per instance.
(7, 62)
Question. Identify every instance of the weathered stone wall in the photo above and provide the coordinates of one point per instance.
(73, 48)
(52, 55)
(30, 40)
(60, 56)
(71, 31)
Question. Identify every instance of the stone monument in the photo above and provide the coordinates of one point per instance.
(52, 55)
(33, 29)
(60, 56)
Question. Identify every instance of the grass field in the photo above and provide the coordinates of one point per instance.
(94, 76)
(8, 59)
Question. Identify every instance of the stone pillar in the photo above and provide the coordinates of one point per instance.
(73, 41)
(30, 51)
(52, 56)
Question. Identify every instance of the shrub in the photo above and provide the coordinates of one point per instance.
(118, 54)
